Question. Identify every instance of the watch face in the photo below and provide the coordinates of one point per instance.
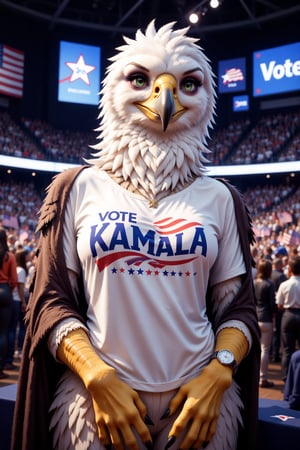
(225, 357)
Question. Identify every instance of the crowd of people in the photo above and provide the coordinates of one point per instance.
(225, 139)
(59, 145)
(38, 140)
(273, 138)
(14, 142)
(16, 271)
(273, 273)
(19, 205)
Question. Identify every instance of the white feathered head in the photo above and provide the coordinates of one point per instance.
(157, 105)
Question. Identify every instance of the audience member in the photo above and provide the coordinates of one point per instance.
(280, 252)
(11, 240)
(268, 253)
(19, 305)
(292, 385)
(265, 307)
(288, 300)
(30, 264)
(8, 281)
(285, 265)
(277, 277)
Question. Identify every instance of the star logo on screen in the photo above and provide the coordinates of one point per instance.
(80, 70)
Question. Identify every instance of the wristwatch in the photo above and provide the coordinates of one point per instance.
(226, 358)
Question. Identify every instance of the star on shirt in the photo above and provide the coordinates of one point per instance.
(283, 418)
(80, 70)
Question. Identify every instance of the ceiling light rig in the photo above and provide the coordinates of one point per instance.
(201, 10)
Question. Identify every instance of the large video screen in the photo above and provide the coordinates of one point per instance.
(276, 70)
(79, 73)
(232, 75)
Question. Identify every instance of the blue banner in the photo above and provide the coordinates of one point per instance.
(79, 73)
(276, 70)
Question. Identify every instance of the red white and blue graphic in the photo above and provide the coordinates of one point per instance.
(79, 73)
(276, 70)
(232, 75)
(160, 249)
(11, 71)
(240, 103)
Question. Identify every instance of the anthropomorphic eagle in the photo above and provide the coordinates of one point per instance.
(157, 105)
(141, 326)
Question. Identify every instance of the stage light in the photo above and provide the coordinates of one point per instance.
(194, 18)
(201, 10)
(214, 3)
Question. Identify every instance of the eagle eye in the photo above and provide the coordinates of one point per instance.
(190, 85)
(138, 80)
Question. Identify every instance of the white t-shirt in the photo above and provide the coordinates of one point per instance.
(21, 279)
(146, 273)
(288, 294)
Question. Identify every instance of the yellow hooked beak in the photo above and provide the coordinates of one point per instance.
(163, 104)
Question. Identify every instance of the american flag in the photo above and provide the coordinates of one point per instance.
(231, 75)
(10, 221)
(291, 239)
(11, 71)
(261, 231)
(284, 217)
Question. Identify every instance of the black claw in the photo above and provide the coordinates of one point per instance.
(148, 420)
(165, 414)
(170, 442)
